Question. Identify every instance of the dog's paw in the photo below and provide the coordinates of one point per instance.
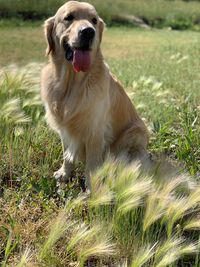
(61, 175)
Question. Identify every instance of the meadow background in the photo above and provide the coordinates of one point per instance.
(132, 218)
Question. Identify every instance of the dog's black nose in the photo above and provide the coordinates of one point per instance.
(87, 33)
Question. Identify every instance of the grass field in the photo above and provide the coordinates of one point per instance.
(177, 14)
(131, 219)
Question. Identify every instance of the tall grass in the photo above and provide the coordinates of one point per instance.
(111, 233)
(20, 100)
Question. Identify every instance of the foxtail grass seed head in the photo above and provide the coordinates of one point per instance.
(143, 256)
(167, 246)
(176, 253)
(25, 258)
(193, 224)
(103, 247)
(102, 196)
(83, 234)
(59, 227)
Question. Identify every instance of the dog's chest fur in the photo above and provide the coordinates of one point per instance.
(81, 112)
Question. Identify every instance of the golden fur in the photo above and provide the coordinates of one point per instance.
(90, 110)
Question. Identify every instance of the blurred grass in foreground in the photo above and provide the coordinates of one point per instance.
(131, 219)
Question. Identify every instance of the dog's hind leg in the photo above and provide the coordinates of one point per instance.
(94, 157)
(132, 144)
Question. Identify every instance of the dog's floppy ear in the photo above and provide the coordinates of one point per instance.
(48, 30)
(101, 28)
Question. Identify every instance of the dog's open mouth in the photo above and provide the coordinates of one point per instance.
(80, 58)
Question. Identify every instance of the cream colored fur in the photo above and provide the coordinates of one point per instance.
(90, 111)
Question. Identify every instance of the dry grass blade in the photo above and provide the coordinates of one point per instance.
(169, 258)
(34, 101)
(162, 202)
(75, 203)
(82, 233)
(129, 204)
(192, 225)
(101, 188)
(102, 247)
(26, 257)
(103, 196)
(177, 208)
(11, 112)
(189, 249)
(167, 246)
(194, 197)
(126, 175)
(156, 205)
(109, 168)
(181, 206)
(170, 187)
(19, 96)
(59, 227)
(139, 187)
(176, 253)
(143, 256)
(130, 190)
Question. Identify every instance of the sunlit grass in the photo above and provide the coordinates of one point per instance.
(77, 239)
(131, 218)
(177, 14)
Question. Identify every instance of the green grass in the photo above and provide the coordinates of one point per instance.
(177, 14)
(21, 44)
(141, 221)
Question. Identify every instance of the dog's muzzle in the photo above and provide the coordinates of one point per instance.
(86, 36)
(80, 55)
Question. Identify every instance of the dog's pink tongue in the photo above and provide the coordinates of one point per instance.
(81, 60)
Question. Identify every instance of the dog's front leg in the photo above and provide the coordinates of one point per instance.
(64, 173)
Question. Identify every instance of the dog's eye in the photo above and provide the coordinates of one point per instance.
(70, 17)
(94, 21)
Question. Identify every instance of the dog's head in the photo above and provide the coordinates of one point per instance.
(75, 33)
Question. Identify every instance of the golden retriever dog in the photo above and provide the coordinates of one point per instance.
(85, 104)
